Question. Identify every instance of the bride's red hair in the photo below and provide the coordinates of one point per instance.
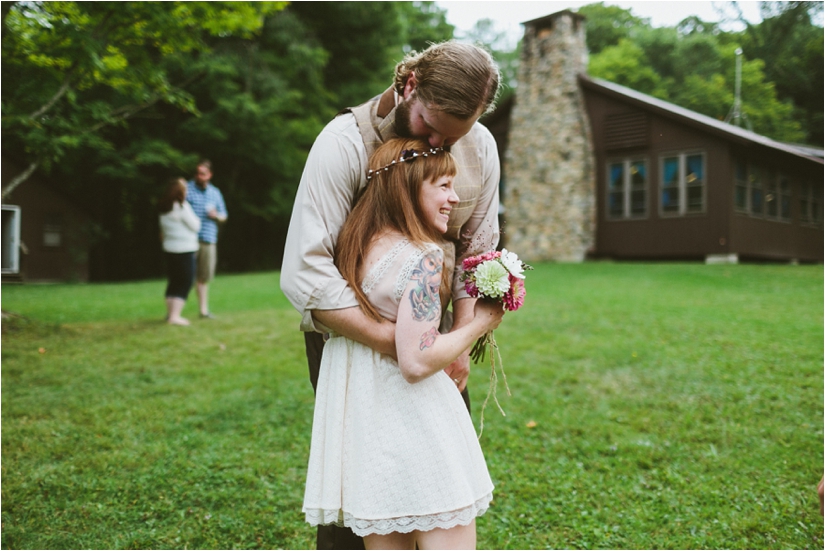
(390, 201)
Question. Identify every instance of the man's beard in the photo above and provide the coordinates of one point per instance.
(402, 119)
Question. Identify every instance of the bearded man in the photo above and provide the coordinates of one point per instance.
(438, 95)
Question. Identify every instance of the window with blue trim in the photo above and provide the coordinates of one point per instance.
(683, 184)
(762, 192)
(627, 181)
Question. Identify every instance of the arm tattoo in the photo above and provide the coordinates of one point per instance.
(428, 338)
(426, 302)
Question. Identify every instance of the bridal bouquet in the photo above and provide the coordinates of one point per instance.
(497, 276)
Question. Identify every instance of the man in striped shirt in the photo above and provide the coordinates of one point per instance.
(207, 202)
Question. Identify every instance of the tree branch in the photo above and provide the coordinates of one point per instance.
(59, 94)
(20, 178)
(127, 111)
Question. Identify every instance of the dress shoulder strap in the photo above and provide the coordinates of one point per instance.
(380, 269)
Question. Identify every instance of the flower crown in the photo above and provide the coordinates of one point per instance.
(407, 156)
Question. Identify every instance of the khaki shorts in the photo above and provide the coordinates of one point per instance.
(206, 260)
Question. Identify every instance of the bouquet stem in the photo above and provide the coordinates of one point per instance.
(478, 354)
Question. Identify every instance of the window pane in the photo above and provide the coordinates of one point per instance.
(784, 185)
(755, 179)
(771, 204)
(694, 199)
(638, 187)
(670, 185)
(756, 200)
(694, 180)
(671, 172)
(784, 197)
(741, 171)
(638, 174)
(670, 200)
(616, 180)
(804, 192)
(695, 169)
(771, 195)
(740, 192)
(785, 207)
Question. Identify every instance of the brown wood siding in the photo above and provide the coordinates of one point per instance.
(716, 231)
(627, 130)
(760, 237)
(39, 205)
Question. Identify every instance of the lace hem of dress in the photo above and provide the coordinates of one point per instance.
(404, 525)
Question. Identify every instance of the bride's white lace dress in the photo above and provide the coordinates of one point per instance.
(387, 455)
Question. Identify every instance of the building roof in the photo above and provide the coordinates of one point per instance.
(544, 20)
(692, 118)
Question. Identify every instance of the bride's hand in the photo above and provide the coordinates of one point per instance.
(489, 313)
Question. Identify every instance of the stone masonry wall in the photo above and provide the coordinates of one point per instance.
(550, 179)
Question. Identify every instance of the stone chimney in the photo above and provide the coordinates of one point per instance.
(550, 175)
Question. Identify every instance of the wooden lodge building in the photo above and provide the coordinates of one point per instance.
(45, 236)
(672, 183)
(592, 169)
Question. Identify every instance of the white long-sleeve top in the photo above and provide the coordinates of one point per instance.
(180, 227)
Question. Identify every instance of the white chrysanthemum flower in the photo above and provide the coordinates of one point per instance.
(512, 263)
(492, 279)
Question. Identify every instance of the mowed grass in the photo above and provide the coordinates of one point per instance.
(653, 406)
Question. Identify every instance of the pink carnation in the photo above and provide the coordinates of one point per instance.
(471, 288)
(471, 262)
(514, 298)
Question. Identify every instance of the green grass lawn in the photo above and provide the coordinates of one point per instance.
(653, 406)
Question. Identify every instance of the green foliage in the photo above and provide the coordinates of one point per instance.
(668, 406)
(693, 65)
(791, 47)
(362, 59)
(82, 66)
(423, 23)
(626, 64)
(608, 25)
(247, 85)
(486, 34)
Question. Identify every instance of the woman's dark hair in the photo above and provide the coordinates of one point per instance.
(175, 193)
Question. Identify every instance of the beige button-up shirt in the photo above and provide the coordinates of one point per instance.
(335, 171)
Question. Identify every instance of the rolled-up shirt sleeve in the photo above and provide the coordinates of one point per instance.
(333, 174)
(481, 232)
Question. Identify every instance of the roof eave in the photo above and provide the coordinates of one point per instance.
(690, 118)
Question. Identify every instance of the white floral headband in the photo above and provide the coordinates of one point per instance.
(407, 156)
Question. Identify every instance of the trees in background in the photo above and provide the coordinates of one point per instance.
(693, 64)
(79, 68)
(134, 93)
(110, 99)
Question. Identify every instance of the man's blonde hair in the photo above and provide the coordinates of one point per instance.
(458, 79)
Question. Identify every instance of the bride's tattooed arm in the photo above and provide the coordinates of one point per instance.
(428, 338)
(425, 300)
(422, 350)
